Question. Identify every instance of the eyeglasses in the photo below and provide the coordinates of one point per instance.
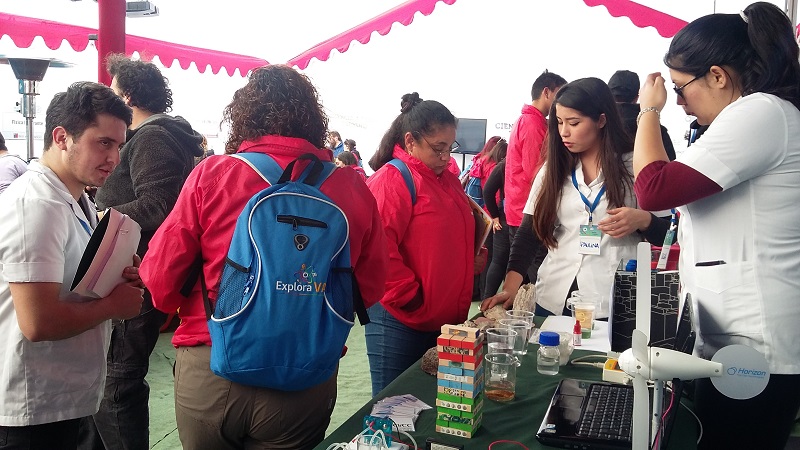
(453, 147)
(679, 90)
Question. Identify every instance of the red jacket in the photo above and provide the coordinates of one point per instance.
(523, 159)
(205, 216)
(431, 245)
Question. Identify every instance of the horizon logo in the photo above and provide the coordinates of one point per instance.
(740, 371)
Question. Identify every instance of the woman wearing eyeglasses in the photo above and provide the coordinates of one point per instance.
(737, 188)
(430, 239)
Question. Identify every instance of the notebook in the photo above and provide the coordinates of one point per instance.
(568, 422)
(110, 250)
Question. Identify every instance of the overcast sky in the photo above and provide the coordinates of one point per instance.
(478, 57)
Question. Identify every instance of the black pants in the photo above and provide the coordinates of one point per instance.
(501, 247)
(763, 422)
(48, 436)
(123, 420)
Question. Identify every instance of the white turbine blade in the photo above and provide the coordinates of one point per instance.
(640, 350)
(643, 302)
(641, 414)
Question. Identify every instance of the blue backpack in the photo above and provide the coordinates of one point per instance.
(287, 294)
(474, 190)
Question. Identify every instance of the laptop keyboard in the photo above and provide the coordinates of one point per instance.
(608, 413)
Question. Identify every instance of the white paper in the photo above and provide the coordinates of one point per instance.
(599, 341)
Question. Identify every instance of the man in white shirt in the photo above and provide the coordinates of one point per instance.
(54, 345)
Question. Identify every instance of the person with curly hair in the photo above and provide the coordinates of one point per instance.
(157, 157)
(278, 113)
(430, 240)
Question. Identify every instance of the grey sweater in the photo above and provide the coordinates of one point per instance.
(154, 163)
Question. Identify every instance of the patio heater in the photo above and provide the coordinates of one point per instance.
(29, 72)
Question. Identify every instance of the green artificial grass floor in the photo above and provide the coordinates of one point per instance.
(354, 390)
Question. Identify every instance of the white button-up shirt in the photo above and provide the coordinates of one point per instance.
(44, 233)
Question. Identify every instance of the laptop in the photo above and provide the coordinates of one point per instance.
(596, 415)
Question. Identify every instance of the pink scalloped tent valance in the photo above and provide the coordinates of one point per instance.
(641, 16)
(382, 23)
(22, 30)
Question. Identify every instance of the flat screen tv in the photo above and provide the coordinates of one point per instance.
(471, 135)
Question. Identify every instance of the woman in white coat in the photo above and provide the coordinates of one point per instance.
(737, 189)
(581, 214)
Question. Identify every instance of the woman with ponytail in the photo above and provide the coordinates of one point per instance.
(430, 238)
(736, 188)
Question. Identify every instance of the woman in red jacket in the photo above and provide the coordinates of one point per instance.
(430, 240)
(277, 113)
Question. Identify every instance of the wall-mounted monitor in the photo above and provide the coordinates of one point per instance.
(471, 135)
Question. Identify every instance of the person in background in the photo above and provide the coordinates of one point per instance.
(586, 183)
(430, 242)
(278, 113)
(154, 163)
(479, 169)
(624, 84)
(335, 143)
(526, 150)
(736, 188)
(347, 159)
(493, 203)
(54, 346)
(350, 146)
(11, 166)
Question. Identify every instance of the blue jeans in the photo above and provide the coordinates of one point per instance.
(392, 347)
(47, 436)
(123, 421)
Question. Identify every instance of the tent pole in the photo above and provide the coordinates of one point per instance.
(110, 34)
(791, 11)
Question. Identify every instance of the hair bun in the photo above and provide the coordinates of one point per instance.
(408, 101)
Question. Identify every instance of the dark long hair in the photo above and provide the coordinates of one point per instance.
(416, 116)
(761, 50)
(592, 98)
(498, 152)
(277, 100)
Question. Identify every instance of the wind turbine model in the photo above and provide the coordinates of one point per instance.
(737, 371)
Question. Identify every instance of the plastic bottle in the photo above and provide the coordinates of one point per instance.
(548, 356)
(576, 333)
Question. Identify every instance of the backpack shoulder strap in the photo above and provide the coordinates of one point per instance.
(263, 164)
(403, 168)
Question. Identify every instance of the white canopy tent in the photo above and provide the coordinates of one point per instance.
(478, 57)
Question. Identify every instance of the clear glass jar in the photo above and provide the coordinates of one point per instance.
(548, 355)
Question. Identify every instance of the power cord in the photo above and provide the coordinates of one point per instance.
(580, 361)
(699, 423)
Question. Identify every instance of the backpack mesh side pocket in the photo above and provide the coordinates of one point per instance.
(234, 289)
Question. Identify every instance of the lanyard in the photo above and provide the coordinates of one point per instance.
(591, 207)
(85, 226)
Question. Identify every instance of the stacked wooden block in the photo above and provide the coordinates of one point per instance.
(459, 396)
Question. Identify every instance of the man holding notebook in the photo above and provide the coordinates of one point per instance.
(53, 345)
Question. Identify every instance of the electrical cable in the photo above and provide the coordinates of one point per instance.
(699, 423)
(579, 361)
(507, 442)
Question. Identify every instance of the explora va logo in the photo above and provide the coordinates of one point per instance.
(305, 282)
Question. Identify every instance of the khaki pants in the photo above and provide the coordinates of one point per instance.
(214, 413)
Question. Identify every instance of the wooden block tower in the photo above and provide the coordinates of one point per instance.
(459, 396)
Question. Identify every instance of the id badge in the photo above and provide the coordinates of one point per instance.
(589, 243)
